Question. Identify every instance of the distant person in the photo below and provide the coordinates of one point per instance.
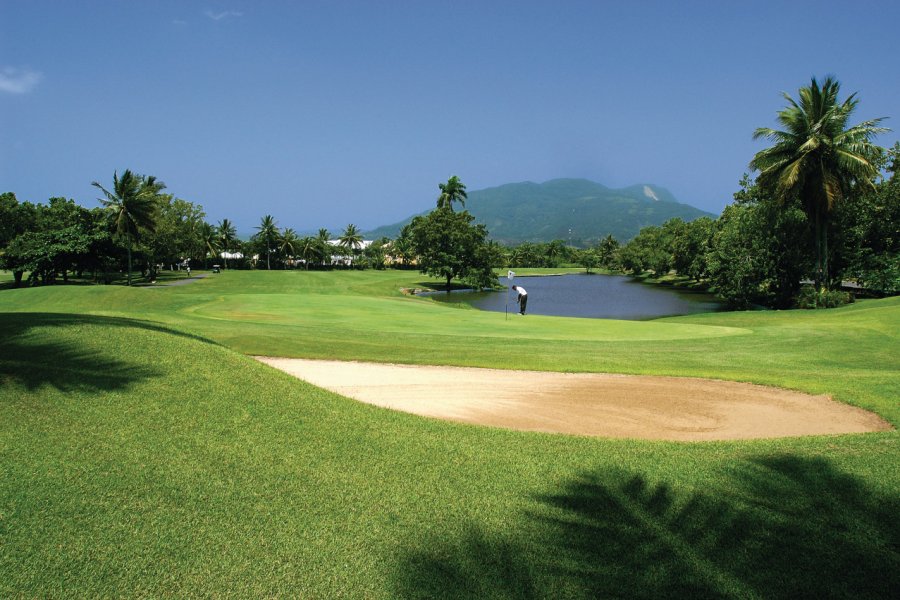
(522, 298)
(189, 270)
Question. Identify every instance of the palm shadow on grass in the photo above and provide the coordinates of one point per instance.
(779, 527)
(34, 361)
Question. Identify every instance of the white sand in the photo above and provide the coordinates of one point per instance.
(617, 406)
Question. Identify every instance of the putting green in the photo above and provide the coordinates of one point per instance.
(417, 316)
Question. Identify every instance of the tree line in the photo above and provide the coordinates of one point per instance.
(140, 227)
(824, 207)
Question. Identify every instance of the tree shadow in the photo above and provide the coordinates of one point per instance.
(777, 527)
(33, 362)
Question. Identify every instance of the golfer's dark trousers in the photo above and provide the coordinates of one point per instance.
(523, 300)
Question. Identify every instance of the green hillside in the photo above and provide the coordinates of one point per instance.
(576, 210)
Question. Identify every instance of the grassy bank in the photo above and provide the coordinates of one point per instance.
(142, 453)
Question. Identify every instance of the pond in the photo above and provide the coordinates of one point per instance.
(593, 296)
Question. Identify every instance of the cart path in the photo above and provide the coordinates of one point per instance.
(593, 404)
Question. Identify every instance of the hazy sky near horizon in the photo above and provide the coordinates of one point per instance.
(328, 113)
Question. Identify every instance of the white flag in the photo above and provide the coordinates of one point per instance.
(510, 275)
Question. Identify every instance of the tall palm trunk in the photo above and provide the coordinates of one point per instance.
(821, 224)
(129, 261)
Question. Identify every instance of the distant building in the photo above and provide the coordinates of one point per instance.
(343, 259)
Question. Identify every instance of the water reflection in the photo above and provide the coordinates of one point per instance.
(594, 296)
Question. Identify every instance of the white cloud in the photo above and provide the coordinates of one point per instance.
(223, 15)
(18, 81)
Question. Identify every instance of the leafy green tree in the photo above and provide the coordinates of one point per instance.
(632, 259)
(818, 158)
(649, 250)
(588, 259)
(450, 245)
(757, 256)
(226, 237)
(867, 246)
(607, 250)
(690, 244)
(452, 191)
(15, 219)
(133, 204)
(268, 235)
(73, 227)
(178, 232)
(45, 253)
(64, 237)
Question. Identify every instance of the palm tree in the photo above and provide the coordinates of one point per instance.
(226, 236)
(555, 250)
(310, 249)
(452, 191)
(209, 241)
(817, 158)
(351, 239)
(288, 242)
(606, 250)
(133, 204)
(323, 238)
(268, 233)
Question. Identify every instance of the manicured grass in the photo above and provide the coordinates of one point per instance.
(141, 455)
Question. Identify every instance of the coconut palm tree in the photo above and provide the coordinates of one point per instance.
(817, 157)
(208, 240)
(452, 191)
(310, 249)
(133, 205)
(554, 251)
(351, 240)
(322, 243)
(226, 234)
(288, 242)
(268, 234)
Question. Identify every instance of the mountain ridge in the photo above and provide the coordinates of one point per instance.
(578, 211)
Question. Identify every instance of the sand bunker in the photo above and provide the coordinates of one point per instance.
(616, 406)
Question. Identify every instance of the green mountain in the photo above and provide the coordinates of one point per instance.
(575, 210)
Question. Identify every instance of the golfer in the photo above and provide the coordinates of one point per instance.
(522, 298)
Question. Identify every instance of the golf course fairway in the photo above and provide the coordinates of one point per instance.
(144, 452)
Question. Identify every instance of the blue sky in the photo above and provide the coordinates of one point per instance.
(329, 113)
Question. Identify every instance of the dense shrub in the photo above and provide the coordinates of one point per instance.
(810, 297)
